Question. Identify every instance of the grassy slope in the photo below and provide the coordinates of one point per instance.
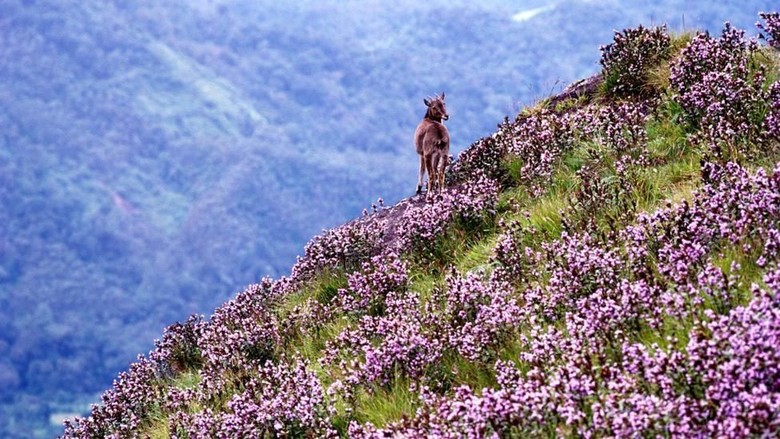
(674, 175)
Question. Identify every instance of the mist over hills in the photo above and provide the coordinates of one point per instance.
(155, 157)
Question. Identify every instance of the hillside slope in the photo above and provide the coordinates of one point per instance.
(605, 264)
(144, 138)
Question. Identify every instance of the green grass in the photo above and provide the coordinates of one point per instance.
(382, 405)
(323, 289)
(571, 103)
(477, 257)
(674, 181)
(658, 76)
(157, 425)
(187, 380)
(478, 375)
(666, 138)
(311, 345)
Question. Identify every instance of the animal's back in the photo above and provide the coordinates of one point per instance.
(431, 134)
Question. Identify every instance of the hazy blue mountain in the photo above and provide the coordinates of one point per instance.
(157, 156)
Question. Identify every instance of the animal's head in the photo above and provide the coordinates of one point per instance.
(437, 109)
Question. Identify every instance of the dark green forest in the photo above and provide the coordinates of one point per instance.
(158, 156)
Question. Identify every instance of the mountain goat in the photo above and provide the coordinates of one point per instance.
(432, 141)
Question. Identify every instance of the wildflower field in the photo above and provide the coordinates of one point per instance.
(603, 265)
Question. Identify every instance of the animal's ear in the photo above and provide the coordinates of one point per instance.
(442, 96)
(427, 102)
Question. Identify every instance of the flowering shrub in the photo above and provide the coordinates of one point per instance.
(241, 334)
(123, 407)
(705, 54)
(720, 89)
(368, 288)
(773, 115)
(344, 247)
(513, 251)
(621, 127)
(178, 350)
(612, 167)
(284, 400)
(540, 140)
(422, 226)
(474, 317)
(627, 60)
(771, 27)
(380, 349)
(484, 157)
(305, 320)
(577, 267)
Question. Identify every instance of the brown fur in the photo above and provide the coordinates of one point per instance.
(432, 141)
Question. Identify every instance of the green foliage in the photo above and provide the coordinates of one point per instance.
(157, 425)
(187, 380)
(666, 137)
(382, 405)
(477, 257)
(569, 104)
(328, 285)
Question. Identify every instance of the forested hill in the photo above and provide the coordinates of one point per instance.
(605, 264)
(158, 155)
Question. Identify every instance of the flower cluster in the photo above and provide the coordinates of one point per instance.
(422, 225)
(578, 268)
(178, 349)
(368, 288)
(515, 254)
(773, 115)
(344, 247)
(581, 370)
(724, 383)
(484, 157)
(305, 320)
(720, 90)
(380, 349)
(473, 317)
(620, 127)
(241, 334)
(627, 60)
(771, 27)
(704, 55)
(540, 140)
(619, 148)
(123, 407)
(282, 399)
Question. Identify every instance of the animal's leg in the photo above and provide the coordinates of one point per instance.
(422, 172)
(435, 165)
(434, 175)
(431, 174)
(442, 168)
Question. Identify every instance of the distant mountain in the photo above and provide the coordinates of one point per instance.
(155, 157)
